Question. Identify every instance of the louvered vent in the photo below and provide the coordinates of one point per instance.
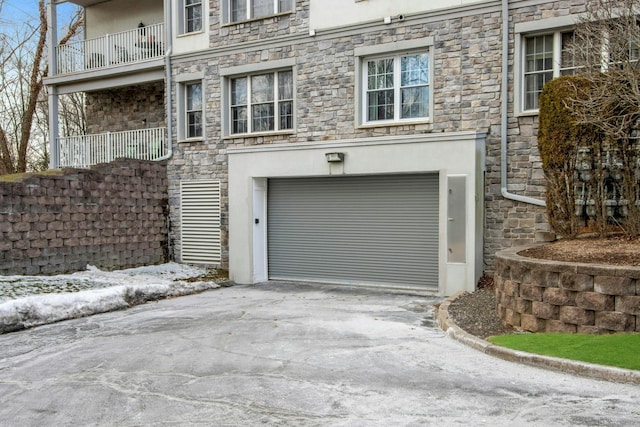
(200, 220)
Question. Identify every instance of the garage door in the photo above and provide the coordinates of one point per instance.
(379, 230)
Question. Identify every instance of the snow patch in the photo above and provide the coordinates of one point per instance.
(108, 291)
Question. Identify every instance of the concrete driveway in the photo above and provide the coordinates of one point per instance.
(283, 354)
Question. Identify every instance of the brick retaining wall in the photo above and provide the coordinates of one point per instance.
(549, 296)
(112, 216)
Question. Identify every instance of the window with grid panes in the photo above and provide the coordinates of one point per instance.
(397, 88)
(192, 16)
(193, 110)
(242, 10)
(261, 102)
(546, 56)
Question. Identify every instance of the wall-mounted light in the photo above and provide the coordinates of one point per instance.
(334, 157)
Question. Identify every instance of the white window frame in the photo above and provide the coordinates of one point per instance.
(188, 111)
(183, 81)
(182, 14)
(557, 68)
(247, 71)
(395, 50)
(249, 16)
(553, 26)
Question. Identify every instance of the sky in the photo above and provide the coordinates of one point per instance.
(16, 13)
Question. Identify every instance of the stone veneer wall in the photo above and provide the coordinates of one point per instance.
(549, 296)
(466, 94)
(126, 108)
(112, 216)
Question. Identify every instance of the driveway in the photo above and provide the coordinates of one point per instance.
(283, 354)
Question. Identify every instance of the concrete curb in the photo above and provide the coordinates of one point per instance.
(584, 369)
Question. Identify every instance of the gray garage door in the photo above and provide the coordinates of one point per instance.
(360, 230)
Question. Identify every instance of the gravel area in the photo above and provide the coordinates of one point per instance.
(475, 313)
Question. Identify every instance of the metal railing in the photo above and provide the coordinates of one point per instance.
(87, 150)
(111, 50)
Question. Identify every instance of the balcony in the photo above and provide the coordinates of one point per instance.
(87, 150)
(111, 50)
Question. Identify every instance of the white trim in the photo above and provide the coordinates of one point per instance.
(225, 12)
(181, 107)
(246, 71)
(541, 27)
(182, 18)
(396, 49)
(108, 78)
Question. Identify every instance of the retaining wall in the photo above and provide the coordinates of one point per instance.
(550, 296)
(111, 216)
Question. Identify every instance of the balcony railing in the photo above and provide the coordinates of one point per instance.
(111, 50)
(87, 150)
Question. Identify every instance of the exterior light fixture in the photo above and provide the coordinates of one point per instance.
(334, 157)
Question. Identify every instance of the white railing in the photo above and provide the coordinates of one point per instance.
(111, 50)
(87, 150)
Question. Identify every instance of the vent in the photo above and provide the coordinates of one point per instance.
(200, 221)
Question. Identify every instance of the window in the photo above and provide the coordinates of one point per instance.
(261, 102)
(193, 110)
(192, 20)
(242, 10)
(545, 57)
(397, 88)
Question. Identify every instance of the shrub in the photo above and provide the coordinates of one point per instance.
(559, 138)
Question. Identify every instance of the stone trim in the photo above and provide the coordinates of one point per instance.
(550, 296)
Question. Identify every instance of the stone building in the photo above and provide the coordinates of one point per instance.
(375, 142)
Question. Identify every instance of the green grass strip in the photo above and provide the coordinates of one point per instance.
(620, 350)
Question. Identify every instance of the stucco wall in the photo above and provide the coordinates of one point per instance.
(121, 15)
(249, 167)
(323, 13)
(111, 216)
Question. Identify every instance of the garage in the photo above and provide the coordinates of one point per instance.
(371, 229)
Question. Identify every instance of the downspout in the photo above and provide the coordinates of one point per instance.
(504, 107)
(168, 80)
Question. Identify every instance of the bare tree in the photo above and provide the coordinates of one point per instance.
(23, 67)
(607, 53)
